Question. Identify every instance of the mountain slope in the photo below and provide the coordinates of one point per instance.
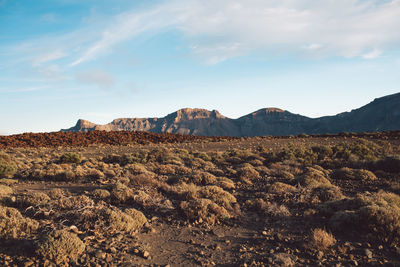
(379, 115)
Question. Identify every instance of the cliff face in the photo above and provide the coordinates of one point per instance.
(380, 115)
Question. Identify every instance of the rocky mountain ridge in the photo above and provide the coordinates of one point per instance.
(380, 115)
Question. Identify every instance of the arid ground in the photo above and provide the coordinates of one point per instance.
(132, 199)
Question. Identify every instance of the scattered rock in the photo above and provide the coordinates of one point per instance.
(368, 253)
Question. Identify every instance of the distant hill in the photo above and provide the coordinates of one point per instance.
(382, 114)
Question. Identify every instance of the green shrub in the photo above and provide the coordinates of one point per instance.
(70, 158)
(7, 166)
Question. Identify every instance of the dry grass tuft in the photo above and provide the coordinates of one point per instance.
(281, 188)
(321, 240)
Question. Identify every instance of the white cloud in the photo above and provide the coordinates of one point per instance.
(218, 30)
(373, 54)
(47, 57)
(96, 77)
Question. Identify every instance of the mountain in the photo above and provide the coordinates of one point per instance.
(382, 114)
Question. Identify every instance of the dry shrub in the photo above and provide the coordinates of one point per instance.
(5, 190)
(262, 170)
(203, 209)
(389, 164)
(225, 183)
(327, 193)
(321, 239)
(218, 195)
(201, 178)
(136, 168)
(266, 208)
(247, 173)
(7, 181)
(182, 170)
(56, 193)
(70, 158)
(353, 174)
(101, 193)
(14, 225)
(120, 193)
(281, 188)
(287, 169)
(60, 246)
(115, 220)
(144, 179)
(313, 177)
(137, 216)
(7, 166)
(167, 169)
(277, 210)
(377, 214)
(256, 162)
(33, 199)
(74, 202)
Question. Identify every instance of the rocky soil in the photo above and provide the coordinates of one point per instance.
(100, 199)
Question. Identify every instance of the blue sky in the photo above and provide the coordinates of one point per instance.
(100, 60)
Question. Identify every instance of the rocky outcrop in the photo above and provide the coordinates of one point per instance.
(380, 115)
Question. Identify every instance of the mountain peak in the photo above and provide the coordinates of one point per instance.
(382, 114)
(195, 113)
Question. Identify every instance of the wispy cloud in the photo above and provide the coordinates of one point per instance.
(373, 54)
(218, 30)
(96, 77)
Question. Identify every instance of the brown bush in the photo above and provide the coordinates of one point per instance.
(115, 220)
(313, 178)
(101, 193)
(353, 174)
(60, 246)
(14, 225)
(376, 213)
(120, 193)
(218, 195)
(281, 188)
(5, 190)
(204, 209)
(321, 239)
(137, 216)
(33, 199)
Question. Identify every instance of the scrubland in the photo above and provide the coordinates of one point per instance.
(295, 201)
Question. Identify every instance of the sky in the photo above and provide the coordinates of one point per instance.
(100, 59)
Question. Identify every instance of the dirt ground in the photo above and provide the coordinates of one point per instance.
(265, 196)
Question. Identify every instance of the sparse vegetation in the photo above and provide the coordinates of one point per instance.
(300, 201)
